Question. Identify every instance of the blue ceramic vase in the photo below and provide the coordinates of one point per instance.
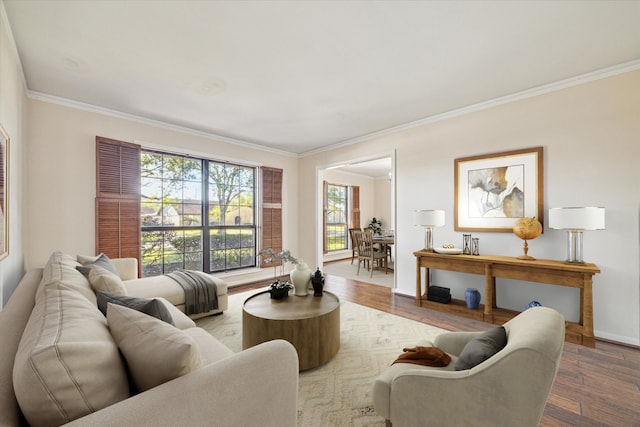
(472, 297)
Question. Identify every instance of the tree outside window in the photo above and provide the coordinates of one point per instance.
(336, 221)
(176, 234)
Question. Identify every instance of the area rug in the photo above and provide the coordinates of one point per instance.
(338, 393)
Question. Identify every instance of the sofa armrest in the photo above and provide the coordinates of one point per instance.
(127, 267)
(453, 342)
(255, 387)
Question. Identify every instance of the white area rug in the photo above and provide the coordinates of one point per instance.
(339, 392)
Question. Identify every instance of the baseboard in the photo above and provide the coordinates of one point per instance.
(617, 339)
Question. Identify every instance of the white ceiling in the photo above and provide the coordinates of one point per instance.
(299, 76)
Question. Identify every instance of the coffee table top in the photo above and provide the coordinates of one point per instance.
(291, 308)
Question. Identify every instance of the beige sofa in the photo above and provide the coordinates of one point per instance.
(63, 362)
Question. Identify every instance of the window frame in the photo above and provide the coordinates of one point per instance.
(205, 227)
(345, 215)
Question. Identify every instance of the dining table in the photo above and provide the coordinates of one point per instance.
(385, 242)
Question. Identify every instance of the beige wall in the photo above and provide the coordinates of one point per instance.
(61, 189)
(590, 134)
(12, 118)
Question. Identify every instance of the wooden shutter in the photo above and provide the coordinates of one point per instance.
(355, 206)
(271, 211)
(118, 198)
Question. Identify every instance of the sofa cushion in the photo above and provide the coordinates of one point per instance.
(481, 348)
(152, 307)
(155, 351)
(61, 268)
(67, 364)
(102, 261)
(102, 280)
(211, 350)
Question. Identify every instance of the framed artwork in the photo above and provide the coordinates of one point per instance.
(493, 190)
(4, 193)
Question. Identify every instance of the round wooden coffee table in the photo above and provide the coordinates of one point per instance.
(311, 324)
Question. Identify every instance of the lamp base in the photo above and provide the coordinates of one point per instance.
(574, 261)
(574, 247)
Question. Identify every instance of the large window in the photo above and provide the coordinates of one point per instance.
(196, 214)
(336, 220)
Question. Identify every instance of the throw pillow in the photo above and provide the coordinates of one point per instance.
(103, 280)
(152, 307)
(155, 351)
(102, 261)
(481, 348)
(86, 259)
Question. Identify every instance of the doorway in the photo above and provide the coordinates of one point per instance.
(372, 180)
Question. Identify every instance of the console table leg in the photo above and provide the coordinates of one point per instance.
(490, 294)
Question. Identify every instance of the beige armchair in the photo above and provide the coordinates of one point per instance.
(508, 389)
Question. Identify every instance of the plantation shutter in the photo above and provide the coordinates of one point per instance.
(117, 198)
(271, 211)
(355, 206)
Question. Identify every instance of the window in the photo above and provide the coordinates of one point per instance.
(196, 214)
(336, 221)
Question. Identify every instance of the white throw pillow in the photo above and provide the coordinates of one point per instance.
(155, 351)
(102, 280)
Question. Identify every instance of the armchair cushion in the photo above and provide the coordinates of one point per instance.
(482, 347)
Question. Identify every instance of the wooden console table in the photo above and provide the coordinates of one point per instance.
(492, 266)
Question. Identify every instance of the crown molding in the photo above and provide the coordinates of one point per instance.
(529, 93)
(157, 123)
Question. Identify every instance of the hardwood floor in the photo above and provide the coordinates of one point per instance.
(594, 387)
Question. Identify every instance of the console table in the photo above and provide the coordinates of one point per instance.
(492, 266)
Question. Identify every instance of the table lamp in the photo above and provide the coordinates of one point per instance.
(428, 219)
(575, 220)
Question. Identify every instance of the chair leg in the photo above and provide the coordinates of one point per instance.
(387, 423)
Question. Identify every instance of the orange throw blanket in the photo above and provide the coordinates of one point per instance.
(426, 356)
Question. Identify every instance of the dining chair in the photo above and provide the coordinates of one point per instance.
(354, 246)
(367, 252)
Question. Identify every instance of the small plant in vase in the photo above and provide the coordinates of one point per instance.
(278, 288)
(376, 226)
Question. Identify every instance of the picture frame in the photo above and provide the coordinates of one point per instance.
(4, 193)
(492, 191)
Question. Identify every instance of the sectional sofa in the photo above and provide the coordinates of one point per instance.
(62, 361)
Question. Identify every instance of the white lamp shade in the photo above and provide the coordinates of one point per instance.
(578, 218)
(431, 218)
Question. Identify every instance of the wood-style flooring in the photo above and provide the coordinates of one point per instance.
(595, 386)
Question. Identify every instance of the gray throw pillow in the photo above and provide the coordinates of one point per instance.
(481, 348)
(102, 261)
(152, 307)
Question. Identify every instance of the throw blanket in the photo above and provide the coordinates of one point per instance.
(426, 356)
(200, 291)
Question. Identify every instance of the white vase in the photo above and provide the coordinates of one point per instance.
(300, 277)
